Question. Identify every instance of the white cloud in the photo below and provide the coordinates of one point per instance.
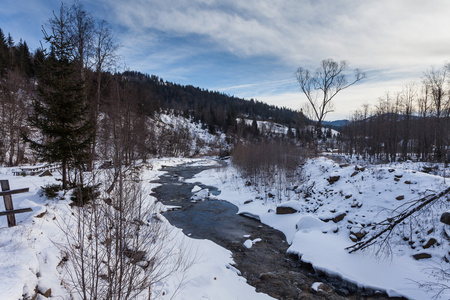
(386, 33)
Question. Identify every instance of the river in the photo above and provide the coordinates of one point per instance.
(266, 265)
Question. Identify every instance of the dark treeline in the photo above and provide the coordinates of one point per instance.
(411, 124)
(208, 107)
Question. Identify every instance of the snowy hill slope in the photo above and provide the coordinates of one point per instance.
(34, 264)
(336, 206)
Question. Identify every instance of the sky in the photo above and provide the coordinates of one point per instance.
(252, 48)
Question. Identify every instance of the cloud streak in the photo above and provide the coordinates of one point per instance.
(252, 48)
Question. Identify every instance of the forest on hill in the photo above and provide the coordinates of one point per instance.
(127, 100)
(122, 107)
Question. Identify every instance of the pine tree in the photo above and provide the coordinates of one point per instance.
(3, 53)
(59, 113)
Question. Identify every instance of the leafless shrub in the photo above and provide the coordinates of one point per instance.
(118, 246)
(270, 164)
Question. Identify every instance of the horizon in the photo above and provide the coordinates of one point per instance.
(251, 50)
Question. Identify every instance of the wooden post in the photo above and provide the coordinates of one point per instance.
(7, 199)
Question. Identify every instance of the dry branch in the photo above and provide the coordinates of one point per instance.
(388, 225)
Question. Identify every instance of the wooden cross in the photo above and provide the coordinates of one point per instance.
(7, 199)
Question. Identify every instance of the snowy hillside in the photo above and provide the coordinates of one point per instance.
(335, 206)
(34, 262)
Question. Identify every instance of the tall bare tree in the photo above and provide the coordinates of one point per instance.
(322, 85)
(104, 56)
(436, 82)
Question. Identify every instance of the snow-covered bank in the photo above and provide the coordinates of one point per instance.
(337, 205)
(31, 258)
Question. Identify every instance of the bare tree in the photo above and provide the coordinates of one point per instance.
(105, 48)
(408, 97)
(436, 82)
(82, 31)
(118, 246)
(321, 86)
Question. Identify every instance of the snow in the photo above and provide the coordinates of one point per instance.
(315, 286)
(31, 257)
(201, 195)
(196, 189)
(249, 243)
(360, 197)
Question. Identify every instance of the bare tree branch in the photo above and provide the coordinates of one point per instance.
(387, 226)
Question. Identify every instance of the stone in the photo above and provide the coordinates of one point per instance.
(321, 288)
(339, 217)
(401, 197)
(47, 293)
(270, 195)
(284, 210)
(41, 215)
(421, 256)
(248, 201)
(268, 275)
(333, 179)
(354, 174)
(445, 218)
(430, 243)
(353, 238)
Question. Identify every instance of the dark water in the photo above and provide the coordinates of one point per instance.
(266, 266)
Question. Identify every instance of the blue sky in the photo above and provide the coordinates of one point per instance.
(252, 48)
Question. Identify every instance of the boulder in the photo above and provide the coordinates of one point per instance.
(333, 179)
(445, 218)
(284, 210)
(421, 256)
(401, 197)
(430, 243)
(320, 287)
(339, 217)
(46, 292)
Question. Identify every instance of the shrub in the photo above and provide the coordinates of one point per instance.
(82, 195)
(50, 190)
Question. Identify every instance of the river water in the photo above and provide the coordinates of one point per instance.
(266, 265)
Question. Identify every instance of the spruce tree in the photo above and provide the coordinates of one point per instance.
(60, 113)
(3, 53)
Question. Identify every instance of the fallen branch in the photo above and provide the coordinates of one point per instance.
(389, 224)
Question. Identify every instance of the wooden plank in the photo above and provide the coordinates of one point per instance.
(7, 199)
(12, 192)
(15, 211)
